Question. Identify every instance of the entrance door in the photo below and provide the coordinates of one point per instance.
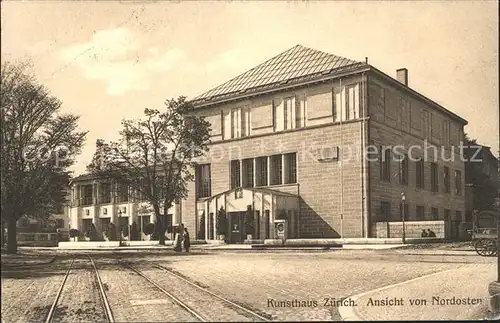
(237, 228)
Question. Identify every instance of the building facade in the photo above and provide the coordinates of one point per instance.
(98, 202)
(35, 232)
(329, 144)
(297, 125)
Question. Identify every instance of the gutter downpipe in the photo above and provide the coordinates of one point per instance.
(364, 162)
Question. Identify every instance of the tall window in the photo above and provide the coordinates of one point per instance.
(458, 182)
(403, 170)
(446, 179)
(105, 193)
(420, 213)
(419, 174)
(352, 102)
(289, 113)
(434, 177)
(88, 194)
(435, 213)
(290, 168)
(247, 165)
(261, 170)
(407, 214)
(122, 193)
(240, 122)
(385, 164)
(458, 216)
(235, 174)
(385, 210)
(447, 214)
(203, 180)
(276, 170)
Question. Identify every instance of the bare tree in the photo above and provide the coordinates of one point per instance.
(155, 156)
(38, 145)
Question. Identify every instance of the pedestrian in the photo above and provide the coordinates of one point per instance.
(431, 233)
(187, 241)
(424, 234)
(178, 240)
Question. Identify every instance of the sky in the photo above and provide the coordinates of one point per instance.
(110, 60)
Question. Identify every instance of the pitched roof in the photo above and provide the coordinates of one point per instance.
(298, 63)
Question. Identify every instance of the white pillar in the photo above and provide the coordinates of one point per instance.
(283, 164)
(268, 159)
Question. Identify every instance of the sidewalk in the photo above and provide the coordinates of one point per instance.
(439, 295)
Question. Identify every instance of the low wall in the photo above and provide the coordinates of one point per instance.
(413, 229)
(88, 244)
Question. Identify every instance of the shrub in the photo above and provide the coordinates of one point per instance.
(149, 229)
(134, 232)
(110, 232)
(201, 232)
(249, 220)
(73, 233)
(221, 222)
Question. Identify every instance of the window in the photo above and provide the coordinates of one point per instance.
(290, 168)
(403, 170)
(458, 216)
(352, 102)
(240, 122)
(385, 210)
(426, 125)
(87, 194)
(446, 179)
(122, 193)
(203, 180)
(407, 213)
(247, 165)
(235, 174)
(385, 164)
(105, 193)
(434, 177)
(276, 170)
(261, 170)
(419, 174)
(435, 213)
(446, 214)
(458, 182)
(289, 113)
(420, 213)
(446, 132)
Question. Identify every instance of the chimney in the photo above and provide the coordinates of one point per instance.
(402, 75)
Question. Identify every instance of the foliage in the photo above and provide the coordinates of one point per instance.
(155, 154)
(110, 232)
(249, 220)
(201, 231)
(73, 233)
(92, 234)
(221, 222)
(149, 229)
(38, 145)
(134, 232)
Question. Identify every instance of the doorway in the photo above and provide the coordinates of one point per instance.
(237, 229)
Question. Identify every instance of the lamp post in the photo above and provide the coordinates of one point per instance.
(403, 199)
(120, 224)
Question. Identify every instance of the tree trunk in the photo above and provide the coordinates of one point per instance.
(161, 223)
(11, 236)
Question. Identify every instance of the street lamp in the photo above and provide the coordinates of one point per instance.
(120, 224)
(403, 199)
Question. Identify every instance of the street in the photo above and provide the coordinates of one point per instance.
(249, 286)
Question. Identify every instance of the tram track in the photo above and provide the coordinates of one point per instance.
(56, 314)
(202, 304)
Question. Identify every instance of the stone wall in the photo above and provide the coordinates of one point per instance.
(413, 229)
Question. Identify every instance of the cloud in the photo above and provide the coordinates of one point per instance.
(115, 57)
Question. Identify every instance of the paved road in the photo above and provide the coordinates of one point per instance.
(279, 285)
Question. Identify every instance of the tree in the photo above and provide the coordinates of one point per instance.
(249, 220)
(221, 222)
(155, 155)
(134, 232)
(38, 145)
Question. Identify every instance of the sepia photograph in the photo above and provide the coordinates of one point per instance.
(234, 161)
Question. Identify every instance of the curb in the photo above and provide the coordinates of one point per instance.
(348, 313)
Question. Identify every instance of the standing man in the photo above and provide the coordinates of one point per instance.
(186, 240)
